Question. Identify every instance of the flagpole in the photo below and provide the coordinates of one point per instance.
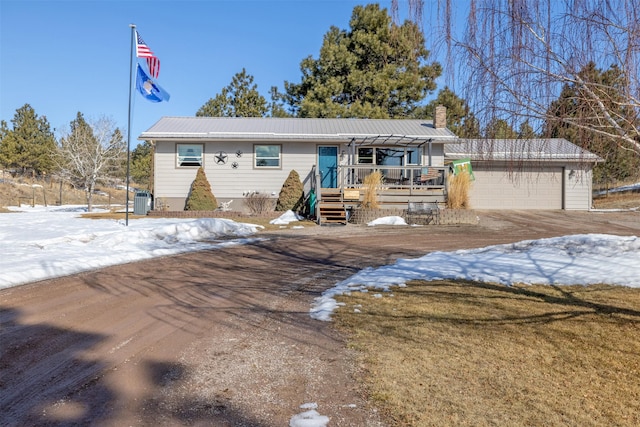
(133, 34)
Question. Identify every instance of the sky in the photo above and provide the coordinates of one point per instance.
(40, 242)
(68, 56)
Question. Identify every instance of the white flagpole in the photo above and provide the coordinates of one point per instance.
(133, 34)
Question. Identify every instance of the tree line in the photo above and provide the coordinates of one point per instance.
(380, 68)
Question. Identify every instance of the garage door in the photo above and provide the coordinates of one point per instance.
(529, 188)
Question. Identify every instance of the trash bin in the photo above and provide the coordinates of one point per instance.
(142, 203)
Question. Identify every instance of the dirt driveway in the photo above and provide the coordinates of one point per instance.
(221, 337)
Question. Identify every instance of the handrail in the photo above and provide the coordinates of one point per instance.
(401, 177)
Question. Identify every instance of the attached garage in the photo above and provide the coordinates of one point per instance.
(527, 174)
(530, 188)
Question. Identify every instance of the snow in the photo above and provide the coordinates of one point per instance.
(581, 259)
(286, 218)
(309, 418)
(39, 243)
(621, 189)
(388, 220)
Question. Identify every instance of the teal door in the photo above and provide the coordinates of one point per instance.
(328, 166)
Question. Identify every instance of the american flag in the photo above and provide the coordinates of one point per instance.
(154, 66)
(143, 51)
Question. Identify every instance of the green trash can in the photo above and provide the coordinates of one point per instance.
(142, 203)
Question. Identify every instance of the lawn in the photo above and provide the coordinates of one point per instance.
(472, 354)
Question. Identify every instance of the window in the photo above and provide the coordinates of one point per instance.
(267, 156)
(189, 155)
(389, 156)
(412, 156)
(365, 156)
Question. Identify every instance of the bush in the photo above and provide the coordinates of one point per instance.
(200, 196)
(258, 203)
(371, 183)
(291, 195)
(459, 186)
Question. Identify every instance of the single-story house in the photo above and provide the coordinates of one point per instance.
(527, 174)
(245, 156)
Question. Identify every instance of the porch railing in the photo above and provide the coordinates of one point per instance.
(395, 177)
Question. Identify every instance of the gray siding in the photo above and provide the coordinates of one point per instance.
(578, 187)
(226, 181)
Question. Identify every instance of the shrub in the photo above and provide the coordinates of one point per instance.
(459, 186)
(371, 183)
(200, 196)
(291, 195)
(258, 203)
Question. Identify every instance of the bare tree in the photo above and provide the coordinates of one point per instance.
(90, 152)
(516, 56)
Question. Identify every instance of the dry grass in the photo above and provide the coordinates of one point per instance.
(20, 191)
(470, 354)
(371, 184)
(621, 200)
(459, 188)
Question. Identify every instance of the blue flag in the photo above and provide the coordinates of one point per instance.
(149, 88)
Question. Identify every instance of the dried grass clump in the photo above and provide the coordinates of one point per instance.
(459, 187)
(258, 203)
(372, 183)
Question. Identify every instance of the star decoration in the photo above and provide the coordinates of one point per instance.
(221, 158)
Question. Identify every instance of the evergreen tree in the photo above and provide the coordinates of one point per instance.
(291, 195)
(526, 131)
(374, 70)
(240, 99)
(500, 129)
(276, 106)
(141, 168)
(200, 196)
(30, 145)
(572, 117)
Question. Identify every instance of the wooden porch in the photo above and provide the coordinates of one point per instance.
(400, 185)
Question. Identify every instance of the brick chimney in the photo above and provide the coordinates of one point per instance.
(440, 119)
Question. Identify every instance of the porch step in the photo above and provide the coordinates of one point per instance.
(334, 213)
(331, 206)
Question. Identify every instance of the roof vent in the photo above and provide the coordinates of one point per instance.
(440, 120)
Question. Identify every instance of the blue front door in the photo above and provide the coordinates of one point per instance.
(328, 166)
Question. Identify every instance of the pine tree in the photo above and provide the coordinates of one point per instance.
(240, 99)
(30, 145)
(200, 196)
(377, 69)
(291, 195)
(142, 164)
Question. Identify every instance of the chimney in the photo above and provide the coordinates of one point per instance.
(440, 119)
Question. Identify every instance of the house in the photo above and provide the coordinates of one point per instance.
(245, 156)
(527, 174)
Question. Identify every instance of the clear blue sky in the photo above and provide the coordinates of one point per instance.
(64, 57)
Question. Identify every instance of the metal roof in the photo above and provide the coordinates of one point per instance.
(256, 128)
(518, 149)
